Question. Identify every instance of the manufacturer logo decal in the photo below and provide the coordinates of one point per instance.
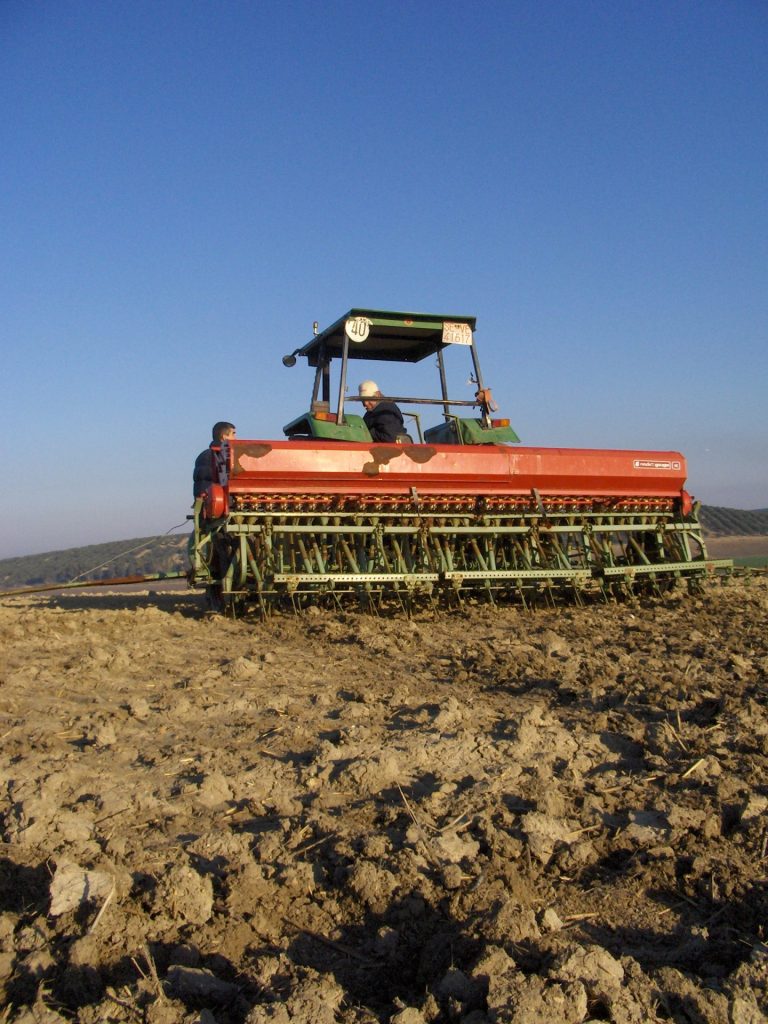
(657, 464)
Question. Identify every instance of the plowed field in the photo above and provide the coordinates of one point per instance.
(483, 815)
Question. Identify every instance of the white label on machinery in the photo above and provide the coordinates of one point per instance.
(456, 334)
(653, 464)
(357, 328)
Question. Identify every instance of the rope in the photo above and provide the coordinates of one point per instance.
(121, 553)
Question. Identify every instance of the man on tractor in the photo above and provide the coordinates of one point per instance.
(383, 419)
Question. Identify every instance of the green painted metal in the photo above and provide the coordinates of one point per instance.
(460, 430)
(402, 337)
(352, 429)
(709, 567)
(267, 556)
(385, 336)
(412, 579)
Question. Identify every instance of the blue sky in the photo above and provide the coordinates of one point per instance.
(186, 186)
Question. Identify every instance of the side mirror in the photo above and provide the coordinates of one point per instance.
(289, 360)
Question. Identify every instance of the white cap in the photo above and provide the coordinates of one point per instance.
(368, 389)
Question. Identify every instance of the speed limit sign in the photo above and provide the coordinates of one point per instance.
(357, 328)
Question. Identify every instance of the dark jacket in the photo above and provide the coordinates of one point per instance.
(384, 422)
(205, 472)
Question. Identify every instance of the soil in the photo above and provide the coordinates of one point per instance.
(478, 815)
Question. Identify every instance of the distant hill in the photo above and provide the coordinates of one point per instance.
(140, 556)
(163, 554)
(733, 522)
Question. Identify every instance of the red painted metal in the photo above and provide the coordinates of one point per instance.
(322, 467)
(215, 501)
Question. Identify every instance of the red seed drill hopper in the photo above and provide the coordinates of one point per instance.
(459, 509)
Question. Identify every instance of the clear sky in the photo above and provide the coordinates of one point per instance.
(186, 185)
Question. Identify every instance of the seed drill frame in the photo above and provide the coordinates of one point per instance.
(462, 511)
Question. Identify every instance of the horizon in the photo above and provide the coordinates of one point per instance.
(181, 534)
(187, 187)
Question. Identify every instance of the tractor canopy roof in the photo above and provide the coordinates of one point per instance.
(384, 336)
(381, 334)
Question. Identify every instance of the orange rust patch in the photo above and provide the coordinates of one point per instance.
(385, 455)
(248, 458)
(419, 453)
(381, 457)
